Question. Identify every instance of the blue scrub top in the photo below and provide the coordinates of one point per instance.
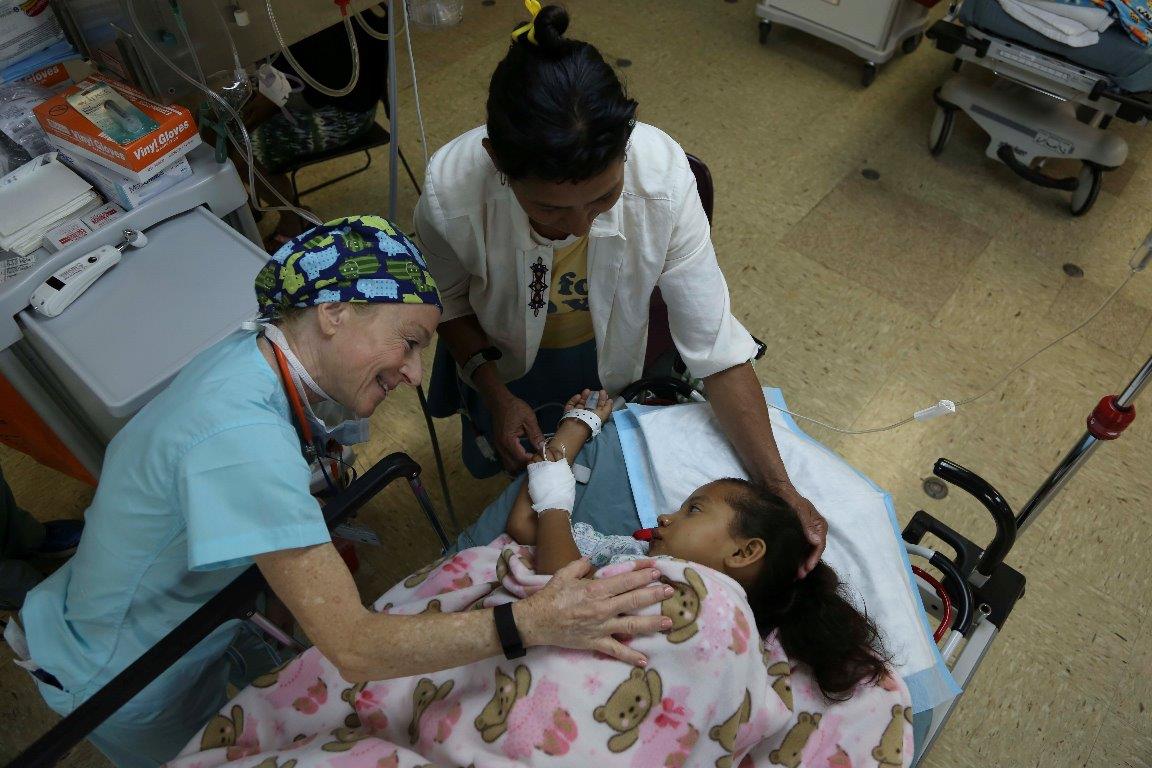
(205, 476)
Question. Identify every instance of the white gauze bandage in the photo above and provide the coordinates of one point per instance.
(551, 485)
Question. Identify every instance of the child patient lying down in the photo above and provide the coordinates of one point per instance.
(814, 691)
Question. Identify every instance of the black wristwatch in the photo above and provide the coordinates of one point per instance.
(486, 355)
(510, 639)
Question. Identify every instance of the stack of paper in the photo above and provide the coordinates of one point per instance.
(38, 196)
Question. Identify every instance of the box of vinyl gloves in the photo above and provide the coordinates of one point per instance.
(138, 159)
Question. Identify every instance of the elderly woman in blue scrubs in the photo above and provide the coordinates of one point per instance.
(209, 477)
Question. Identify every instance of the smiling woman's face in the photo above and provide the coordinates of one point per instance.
(373, 349)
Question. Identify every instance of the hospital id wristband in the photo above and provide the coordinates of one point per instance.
(509, 635)
(588, 417)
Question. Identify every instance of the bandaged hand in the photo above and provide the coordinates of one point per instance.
(551, 485)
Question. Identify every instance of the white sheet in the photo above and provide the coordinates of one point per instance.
(670, 451)
(1072, 25)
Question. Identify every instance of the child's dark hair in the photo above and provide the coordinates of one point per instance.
(556, 110)
(816, 624)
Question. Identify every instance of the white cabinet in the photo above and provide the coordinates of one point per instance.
(871, 29)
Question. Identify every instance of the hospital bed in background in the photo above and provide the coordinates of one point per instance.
(1046, 100)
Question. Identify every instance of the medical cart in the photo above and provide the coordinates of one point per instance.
(871, 29)
(74, 380)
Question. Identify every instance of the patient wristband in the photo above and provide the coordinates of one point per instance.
(588, 417)
(509, 635)
(551, 485)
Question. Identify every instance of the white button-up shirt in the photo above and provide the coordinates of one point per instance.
(479, 246)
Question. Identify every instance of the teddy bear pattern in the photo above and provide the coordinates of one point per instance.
(797, 737)
(492, 721)
(425, 694)
(628, 705)
(344, 739)
(782, 671)
(683, 607)
(271, 762)
(418, 578)
(223, 731)
(725, 733)
(890, 751)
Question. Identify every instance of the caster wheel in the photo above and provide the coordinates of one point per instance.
(912, 43)
(765, 30)
(1084, 197)
(941, 130)
(869, 74)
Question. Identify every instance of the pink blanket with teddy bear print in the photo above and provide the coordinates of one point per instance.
(712, 695)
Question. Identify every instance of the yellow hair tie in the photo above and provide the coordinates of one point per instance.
(533, 7)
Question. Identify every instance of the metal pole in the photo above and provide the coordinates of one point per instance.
(393, 107)
(1077, 456)
(429, 510)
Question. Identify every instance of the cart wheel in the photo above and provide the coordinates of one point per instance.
(765, 30)
(941, 130)
(912, 43)
(869, 74)
(1084, 197)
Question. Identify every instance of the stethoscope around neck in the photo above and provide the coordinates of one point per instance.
(311, 448)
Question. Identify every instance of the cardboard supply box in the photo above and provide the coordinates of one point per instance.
(54, 77)
(138, 160)
(123, 191)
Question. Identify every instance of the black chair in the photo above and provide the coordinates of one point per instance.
(375, 137)
(659, 333)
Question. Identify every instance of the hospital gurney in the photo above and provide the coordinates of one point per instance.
(976, 579)
(1047, 101)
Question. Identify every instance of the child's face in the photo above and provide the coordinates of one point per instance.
(700, 531)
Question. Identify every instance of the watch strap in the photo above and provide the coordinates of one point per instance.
(510, 639)
(468, 370)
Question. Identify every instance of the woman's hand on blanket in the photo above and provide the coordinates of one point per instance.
(815, 528)
(584, 614)
(512, 418)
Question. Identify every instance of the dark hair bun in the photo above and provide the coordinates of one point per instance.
(550, 25)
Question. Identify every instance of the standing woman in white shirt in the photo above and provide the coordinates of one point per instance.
(548, 230)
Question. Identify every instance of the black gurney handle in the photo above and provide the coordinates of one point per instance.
(949, 37)
(997, 506)
(232, 602)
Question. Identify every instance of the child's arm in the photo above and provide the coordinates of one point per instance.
(523, 524)
(555, 547)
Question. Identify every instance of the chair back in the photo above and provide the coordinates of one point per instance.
(659, 333)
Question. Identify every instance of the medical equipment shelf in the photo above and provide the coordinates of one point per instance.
(236, 601)
(87, 371)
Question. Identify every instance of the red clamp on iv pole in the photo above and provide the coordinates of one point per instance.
(1109, 419)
